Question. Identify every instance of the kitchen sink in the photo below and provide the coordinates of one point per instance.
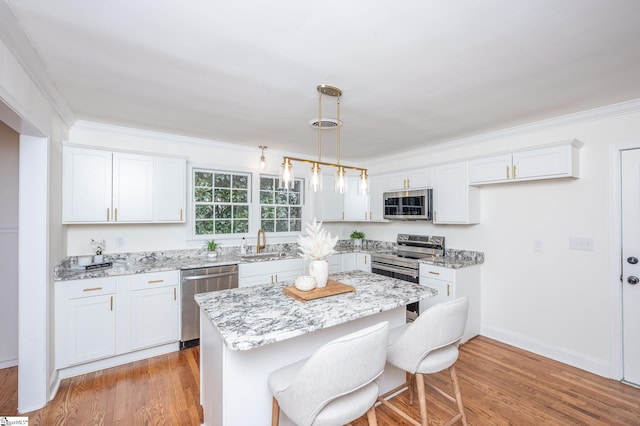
(264, 256)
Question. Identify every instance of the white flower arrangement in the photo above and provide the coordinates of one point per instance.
(318, 244)
(98, 246)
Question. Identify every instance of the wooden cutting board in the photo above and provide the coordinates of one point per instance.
(333, 287)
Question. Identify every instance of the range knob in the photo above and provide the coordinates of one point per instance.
(632, 260)
(633, 280)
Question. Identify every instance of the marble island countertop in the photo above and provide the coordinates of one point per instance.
(251, 317)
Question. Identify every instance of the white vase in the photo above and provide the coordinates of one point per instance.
(357, 243)
(98, 258)
(319, 269)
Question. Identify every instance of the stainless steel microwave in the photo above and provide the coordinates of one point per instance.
(410, 204)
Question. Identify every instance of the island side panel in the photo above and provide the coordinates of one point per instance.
(211, 372)
(246, 399)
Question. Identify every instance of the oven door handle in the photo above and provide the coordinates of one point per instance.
(411, 272)
(204, 277)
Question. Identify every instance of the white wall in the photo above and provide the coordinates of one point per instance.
(9, 144)
(556, 302)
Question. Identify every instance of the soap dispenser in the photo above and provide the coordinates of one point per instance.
(243, 247)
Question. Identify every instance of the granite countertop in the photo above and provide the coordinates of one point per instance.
(251, 317)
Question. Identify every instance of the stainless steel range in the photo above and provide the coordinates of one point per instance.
(403, 263)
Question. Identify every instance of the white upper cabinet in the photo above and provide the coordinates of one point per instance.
(332, 206)
(410, 179)
(132, 188)
(454, 201)
(378, 185)
(86, 176)
(557, 161)
(115, 187)
(169, 182)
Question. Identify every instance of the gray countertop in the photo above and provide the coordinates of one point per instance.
(251, 317)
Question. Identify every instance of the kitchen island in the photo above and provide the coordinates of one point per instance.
(247, 333)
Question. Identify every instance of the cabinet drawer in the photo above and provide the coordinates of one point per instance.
(88, 288)
(436, 272)
(153, 280)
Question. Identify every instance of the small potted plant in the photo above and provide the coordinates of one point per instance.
(98, 248)
(357, 237)
(212, 246)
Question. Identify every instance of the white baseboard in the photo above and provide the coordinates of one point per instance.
(8, 363)
(575, 359)
(114, 361)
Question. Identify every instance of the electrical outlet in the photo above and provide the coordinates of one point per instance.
(119, 241)
(537, 245)
(579, 243)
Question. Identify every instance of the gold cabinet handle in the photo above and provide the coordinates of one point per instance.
(107, 214)
(507, 172)
(111, 304)
(155, 281)
(434, 273)
(181, 215)
(115, 212)
(448, 290)
(92, 289)
(365, 259)
(514, 171)
(175, 294)
(435, 216)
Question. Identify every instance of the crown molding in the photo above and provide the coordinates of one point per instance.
(20, 45)
(622, 108)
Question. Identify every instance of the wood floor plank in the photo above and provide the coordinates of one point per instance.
(500, 385)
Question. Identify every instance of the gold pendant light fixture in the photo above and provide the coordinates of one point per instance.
(315, 178)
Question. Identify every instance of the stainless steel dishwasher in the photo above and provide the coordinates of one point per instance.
(201, 280)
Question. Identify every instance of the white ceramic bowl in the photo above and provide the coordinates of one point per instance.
(305, 283)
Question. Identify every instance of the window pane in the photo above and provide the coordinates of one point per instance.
(223, 180)
(295, 225)
(295, 212)
(296, 186)
(240, 212)
(204, 212)
(240, 196)
(203, 195)
(267, 212)
(204, 227)
(294, 198)
(268, 225)
(267, 184)
(281, 197)
(223, 226)
(282, 225)
(222, 195)
(282, 212)
(241, 182)
(223, 211)
(240, 226)
(266, 197)
(203, 179)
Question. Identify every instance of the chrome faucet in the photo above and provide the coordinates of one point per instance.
(259, 246)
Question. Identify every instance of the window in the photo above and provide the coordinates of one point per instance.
(221, 202)
(280, 210)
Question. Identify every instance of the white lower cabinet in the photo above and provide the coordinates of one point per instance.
(270, 272)
(355, 261)
(452, 284)
(85, 320)
(100, 318)
(154, 309)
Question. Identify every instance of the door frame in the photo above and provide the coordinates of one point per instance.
(615, 258)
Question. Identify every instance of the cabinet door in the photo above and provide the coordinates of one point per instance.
(86, 185)
(541, 163)
(454, 201)
(328, 204)
(363, 261)
(356, 206)
(132, 188)
(420, 178)
(445, 292)
(348, 262)
(153, 316)
(378, 185)
(490, 169)
(169, 188)
(90, 328)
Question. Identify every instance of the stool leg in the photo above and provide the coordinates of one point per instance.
(371, 416)
(275, 413)
(456, 390)
(412, 382)
(422, 399)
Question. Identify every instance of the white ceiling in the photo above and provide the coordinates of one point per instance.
(413, 72)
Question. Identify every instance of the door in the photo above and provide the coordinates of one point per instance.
(630, 190)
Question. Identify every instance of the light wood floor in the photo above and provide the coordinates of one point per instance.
(500, 385)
